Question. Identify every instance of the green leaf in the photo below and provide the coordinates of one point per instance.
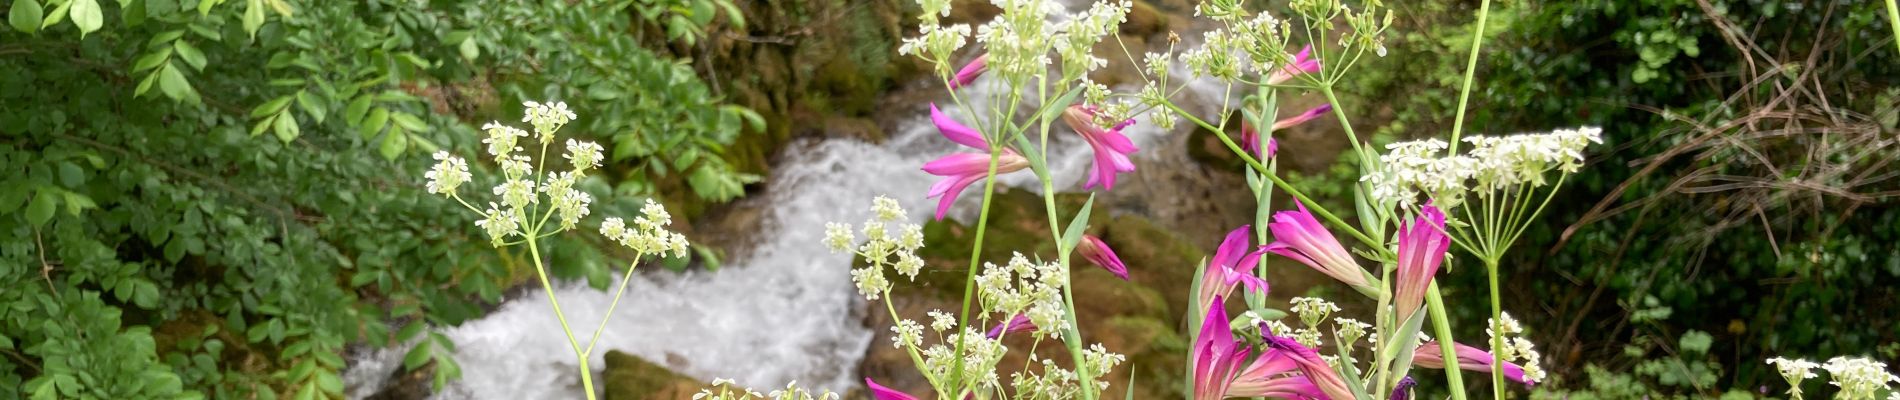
(25, 15)
(286, 128)
(409, 122)
(374, 122)
(311, 106)
(41, 209)
(173, 83)
(262, 124)
(152, 59)
(191, 54)
(58, 15)
(87, 16)
(253, 17)
(353, 113)
(206, 32)
(204, 6)
(1073, 234)
(70, 175)
(271, 107)
(417, 355)
(394, 143)
(469, 50)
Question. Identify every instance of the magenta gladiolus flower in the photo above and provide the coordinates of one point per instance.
(1019, 323)
(1217, 366)
(1093, 249)
(1422, 247)
(957, 132)
(1249, 138)
(1232, 264)
(962, 169)
(1302, 64)
(1311, 365)
(1297, 235)
(970, 71)
(1469, 358)
(880, 392)
(1403, 391)
(1111, 147)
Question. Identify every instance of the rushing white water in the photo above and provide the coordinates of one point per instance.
(785, 312)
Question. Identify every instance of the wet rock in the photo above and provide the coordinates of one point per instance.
(628, 377)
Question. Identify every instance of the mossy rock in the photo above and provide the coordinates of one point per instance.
(628, 377)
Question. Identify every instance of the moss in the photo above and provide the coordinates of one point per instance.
(628, 377)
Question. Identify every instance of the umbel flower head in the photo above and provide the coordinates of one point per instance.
(526, 200)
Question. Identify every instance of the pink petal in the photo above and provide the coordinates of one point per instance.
(880, 392)
(970, 71)
(955, 131)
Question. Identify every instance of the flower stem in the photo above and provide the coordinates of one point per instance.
(1471, 69)
(1893, 21)
(1297, 194)
(1454, 377)
(976, 256)
(1071, 336)
(541, 271)
(1497, 337)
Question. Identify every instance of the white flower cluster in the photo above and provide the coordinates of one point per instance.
(1349, 330)
(1794, 371)
(449, 173)
(510, 214)
(790, 392)
(936, 42)
(1516, 347)
(880, 249)
(980, 355)
(1076, 37)
(1024, 288)
(1494, 164)
(1313, 310)
(1859, 378)
(648, 235)
(547, 118)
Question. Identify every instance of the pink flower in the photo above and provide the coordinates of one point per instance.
(1422, 247)
(1301, 65)
(1232, 264)
(970, 71)
(1311, 365)
(1019, 323)
(1297, 235)
(957, 132)
(879, 392)
(1470, 358)
(1217, 361)
(1249, 138)
(962, 169)
(1111, 147)
(1093, 249)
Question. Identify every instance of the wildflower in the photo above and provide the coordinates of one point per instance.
(449, 173)
(837, 236)
(1403, 391)
(969, 72)
(1311, 365)
(1216, 357)
(1111, 147)
(1794, 371)
(547, 118)
(1428, 355)
(1250, 139)
(499, 224)
(1301, 64)
(879, 392)
(517, 193)
(1297, 235)
(957, 132)
(501, 138)
(1422, 247)
(1096, 251)
(1232, 264)
(1019, 323)
(1858, 378)
(583, 155)
(961, 170)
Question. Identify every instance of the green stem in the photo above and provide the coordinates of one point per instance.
(976, 257)
(1454, 377)
(1497, 338)
(1893, 21)
(1297, 194)
(1340, 112)
(540, 271)
(1471, 69)
(1071, 336)
(624, 279)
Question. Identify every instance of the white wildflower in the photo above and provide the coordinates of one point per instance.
(583, 155)
(502, 138)
(449, 173)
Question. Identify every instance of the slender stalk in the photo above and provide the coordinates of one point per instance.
(1471, 69)
(976, 257)
(541, 271)
(1454, 377)
(1497, 338)
(1268, 172)
(1893, 21)
(1340, 112)
(624, 279)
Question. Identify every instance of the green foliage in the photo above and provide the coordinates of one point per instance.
(1780, 279)
(154, 246)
